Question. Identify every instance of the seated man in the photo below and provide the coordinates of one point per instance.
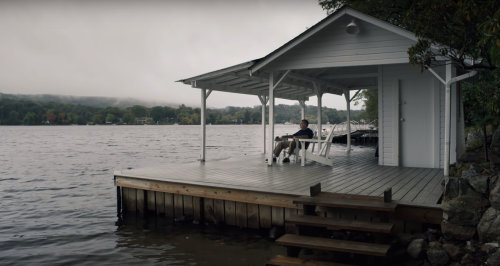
(303, 133)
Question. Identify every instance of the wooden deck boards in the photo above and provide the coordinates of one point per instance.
(356, 173)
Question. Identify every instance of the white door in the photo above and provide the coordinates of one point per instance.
(416, 122)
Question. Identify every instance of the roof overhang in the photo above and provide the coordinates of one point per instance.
(252, 77)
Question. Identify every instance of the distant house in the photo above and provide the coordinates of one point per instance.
(142, 120)
(342, 54)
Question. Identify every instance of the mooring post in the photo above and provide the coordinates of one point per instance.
(118, 199)
(388, 195)
(119, 202)
(315, 190)
(145, 203)
(202, 210)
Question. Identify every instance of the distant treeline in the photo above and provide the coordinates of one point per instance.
(16, 111)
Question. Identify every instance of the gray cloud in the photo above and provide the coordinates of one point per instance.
(139, 48)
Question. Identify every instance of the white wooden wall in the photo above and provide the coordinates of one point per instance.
(332, 46)
(392, 76)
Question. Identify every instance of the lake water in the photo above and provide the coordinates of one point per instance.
(58, 201)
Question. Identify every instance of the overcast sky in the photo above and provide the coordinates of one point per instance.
(140, 48)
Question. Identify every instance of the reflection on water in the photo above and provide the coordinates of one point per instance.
(58, 201)
(162, 240)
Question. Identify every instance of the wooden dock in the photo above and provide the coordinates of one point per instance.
(245, 192)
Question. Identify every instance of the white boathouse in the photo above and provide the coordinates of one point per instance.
(421, 122)
(420, 134)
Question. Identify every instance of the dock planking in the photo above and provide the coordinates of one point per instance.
(245, 192)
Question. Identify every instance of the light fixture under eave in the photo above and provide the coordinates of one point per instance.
(352, 28)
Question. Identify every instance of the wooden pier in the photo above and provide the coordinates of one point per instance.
(246, 192)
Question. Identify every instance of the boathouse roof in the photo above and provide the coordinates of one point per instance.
(324, 54)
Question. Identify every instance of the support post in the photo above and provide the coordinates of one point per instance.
(203, 123)
(302, 109)
(273, 83)
(271, 118)
(319, 94)
(447, 121)
(447, 110)
(263, 100)
(348, 103)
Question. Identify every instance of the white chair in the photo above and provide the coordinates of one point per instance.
(323, 155)
(296, 151)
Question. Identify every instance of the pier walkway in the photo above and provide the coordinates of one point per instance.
(246, 192)
(356, 173)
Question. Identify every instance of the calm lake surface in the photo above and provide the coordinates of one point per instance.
(58, 201)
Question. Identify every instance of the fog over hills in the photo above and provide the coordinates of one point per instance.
(100, 102)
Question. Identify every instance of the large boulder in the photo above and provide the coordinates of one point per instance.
(462, 205)
(405, 239)
(494, 260)
(495, 192)
(473, 140)
(437, 256)
(488, 228)
(495, 142)
(477, 181)
(416, 248)
(459, 232)
(453, 251)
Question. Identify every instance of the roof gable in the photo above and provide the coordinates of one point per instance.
(338, 19)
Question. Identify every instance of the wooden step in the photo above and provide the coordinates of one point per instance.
(347, 203)
(281, 260)
(333, 244)
(336, 224)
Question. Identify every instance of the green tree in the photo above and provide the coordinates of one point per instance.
(128, 118)
(256, 117)
(370, 104)
(482, 102)
(185, 120)
(63, 119)
(211, 118)
(73, 118)
(157, 113)
(13, 118)
(246, 117)
(80, 120)
(110, 118)
(50, 116)
(195, 119)
(139, 111)
(29, 119)
(97, 119)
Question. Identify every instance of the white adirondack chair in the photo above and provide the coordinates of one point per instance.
(322, 156)
(297, 150)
